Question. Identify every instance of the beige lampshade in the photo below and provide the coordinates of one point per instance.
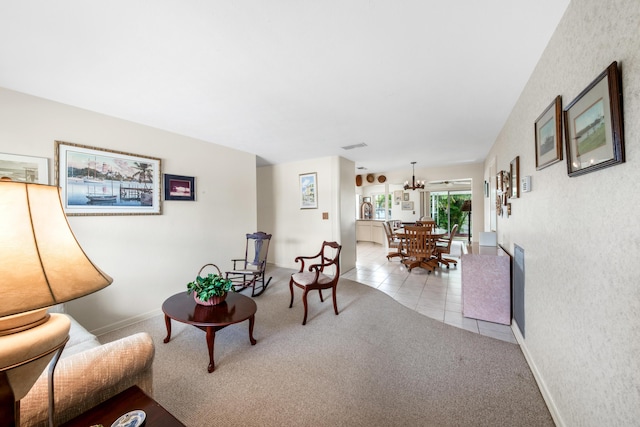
(41, 262)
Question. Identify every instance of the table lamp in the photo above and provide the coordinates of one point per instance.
(41, 264)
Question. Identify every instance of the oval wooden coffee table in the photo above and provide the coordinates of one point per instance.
(235, 309)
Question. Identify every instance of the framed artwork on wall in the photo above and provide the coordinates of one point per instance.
(515, 177)
(593, 125)
(548, 135)
(397, 196)
(97, 181)
(407, 206)
(179, 187)
(308, 191)
(405, 197)
(24, 168)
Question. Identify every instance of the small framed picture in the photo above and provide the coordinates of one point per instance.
(397, 196)
(24, 168)
(515, 177)
(593, 125)
(548, 133)
(405, 197)
(407, 206)
(179, 187)
(308, 191)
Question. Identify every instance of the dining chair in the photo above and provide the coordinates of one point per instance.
(251, 270)
(393, 242)
(420, 248)
(323, 272)
(443, 247)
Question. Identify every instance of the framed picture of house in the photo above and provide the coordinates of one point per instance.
(593, 125)
(97, 181)
(179, 187)
(308, 191)
(24, 168)
(548, 135)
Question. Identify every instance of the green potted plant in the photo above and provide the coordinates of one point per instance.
(211, 289)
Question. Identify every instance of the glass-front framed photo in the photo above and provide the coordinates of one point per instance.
(24, 168)
(593, 125)
(548, 135)
(97, 181)
(179, 187)
(308, 191)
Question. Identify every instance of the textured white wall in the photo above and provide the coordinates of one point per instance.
(580, 236)
(149, 257)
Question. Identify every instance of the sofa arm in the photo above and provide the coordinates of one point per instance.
(85, 379)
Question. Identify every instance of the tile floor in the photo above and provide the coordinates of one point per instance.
(437, 295)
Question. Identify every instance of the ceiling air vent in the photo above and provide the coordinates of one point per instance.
(351, 147)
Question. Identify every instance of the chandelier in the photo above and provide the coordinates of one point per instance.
(415, 185)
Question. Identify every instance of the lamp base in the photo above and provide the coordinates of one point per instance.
(22, 321)
(24, 355)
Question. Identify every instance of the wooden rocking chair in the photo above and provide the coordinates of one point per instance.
(250, 271)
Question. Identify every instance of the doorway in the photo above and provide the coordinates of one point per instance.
(447, 208)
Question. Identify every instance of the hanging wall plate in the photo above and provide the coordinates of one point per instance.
(358, 180)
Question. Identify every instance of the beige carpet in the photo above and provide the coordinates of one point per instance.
(376, 364)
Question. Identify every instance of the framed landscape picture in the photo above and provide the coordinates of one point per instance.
(24, 168)
(179, 187)
(593, 125)
(308, 191)
(548, 135)
(97, 181)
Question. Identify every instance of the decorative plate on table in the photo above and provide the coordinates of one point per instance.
(130, 419)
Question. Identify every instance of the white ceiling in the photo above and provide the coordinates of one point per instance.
(416, 80)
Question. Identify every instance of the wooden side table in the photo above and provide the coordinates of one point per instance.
(235, 309)
(129, 400)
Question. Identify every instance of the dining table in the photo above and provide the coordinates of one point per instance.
(436, 233)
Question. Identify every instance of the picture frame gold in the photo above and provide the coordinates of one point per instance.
(99, 181)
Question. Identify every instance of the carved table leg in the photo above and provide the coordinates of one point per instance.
(211, 337)
(251, 322)
(167, 321)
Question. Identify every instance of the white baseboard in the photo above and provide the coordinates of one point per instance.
(126, 322)
(557, 419)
